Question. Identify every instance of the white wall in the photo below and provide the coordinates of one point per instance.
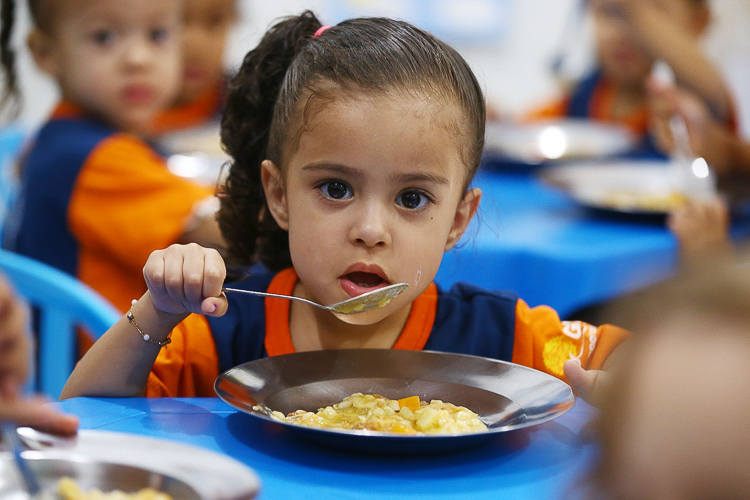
(515, 71)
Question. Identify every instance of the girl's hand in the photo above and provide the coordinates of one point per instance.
(701, 227)
(15, 347)
(186, 279)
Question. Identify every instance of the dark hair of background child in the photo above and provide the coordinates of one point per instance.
(272, 93)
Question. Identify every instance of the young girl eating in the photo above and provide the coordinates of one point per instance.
(353, 151)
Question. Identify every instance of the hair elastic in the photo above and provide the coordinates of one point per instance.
(320, 31)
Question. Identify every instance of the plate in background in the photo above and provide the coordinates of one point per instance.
(636, 187)
(546, 141)
(506, 396)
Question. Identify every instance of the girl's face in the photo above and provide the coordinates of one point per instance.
(620, 56)
(117, 59)
(205, 28)
(373, 195)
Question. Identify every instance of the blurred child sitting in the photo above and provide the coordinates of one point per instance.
(95, 198)
(630, 35)
(676, 412)
(205, 28)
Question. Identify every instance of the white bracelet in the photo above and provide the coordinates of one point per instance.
(144, 335)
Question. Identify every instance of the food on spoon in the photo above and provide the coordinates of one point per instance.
(372, 412)
(68, 489)
(646, 202)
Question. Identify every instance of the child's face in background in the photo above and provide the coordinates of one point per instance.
(683, 431)
(205, 28)
(619, 55)
(117, 59)
(374, 196)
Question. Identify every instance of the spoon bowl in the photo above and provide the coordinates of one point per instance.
(361, 303)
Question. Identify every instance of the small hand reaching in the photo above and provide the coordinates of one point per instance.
(186, 279)
(590, 384)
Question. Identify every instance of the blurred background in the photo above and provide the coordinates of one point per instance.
(513, 45)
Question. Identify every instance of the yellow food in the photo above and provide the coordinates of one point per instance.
(373, 412)
(624, 200)
(69, 490)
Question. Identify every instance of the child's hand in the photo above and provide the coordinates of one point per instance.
(701, 226)
(590, 384)
(186, 279)
(14, 337)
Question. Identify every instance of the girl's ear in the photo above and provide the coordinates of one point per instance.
(273, 186)
(467, 207)
(42, 48)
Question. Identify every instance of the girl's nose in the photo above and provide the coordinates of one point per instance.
(370, 228)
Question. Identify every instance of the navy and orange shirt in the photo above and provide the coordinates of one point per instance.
(464, 320)
(95, 202)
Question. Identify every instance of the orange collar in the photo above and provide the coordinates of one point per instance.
(66, 109)
(279, 337)
(192, 114)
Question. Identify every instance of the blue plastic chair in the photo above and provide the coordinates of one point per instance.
(64, 303)
(11, 140)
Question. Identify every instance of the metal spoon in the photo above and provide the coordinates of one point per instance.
(30, 481)
(361, 303)
(691, 173)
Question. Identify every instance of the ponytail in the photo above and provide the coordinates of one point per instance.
(251, 232)
(8, 57)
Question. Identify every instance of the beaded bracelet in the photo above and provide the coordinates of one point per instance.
(144, 335)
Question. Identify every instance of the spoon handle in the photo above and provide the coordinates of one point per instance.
(266, 294)
(10, 436)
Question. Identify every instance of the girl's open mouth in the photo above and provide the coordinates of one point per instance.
(359, 282)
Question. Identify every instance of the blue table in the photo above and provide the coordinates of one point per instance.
(534, 240)
(540, 462)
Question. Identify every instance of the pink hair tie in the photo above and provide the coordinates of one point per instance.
(320, 31)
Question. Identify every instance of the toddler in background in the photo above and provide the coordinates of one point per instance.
(353, 151)
(630, 35)
(95, 199)
(675, 415)
(206, 26)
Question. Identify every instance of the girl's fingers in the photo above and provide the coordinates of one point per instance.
(193, 269)
(34, 413)
(173, 274)
(214, 274)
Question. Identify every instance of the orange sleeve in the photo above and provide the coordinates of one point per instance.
(187, 367)
(126, 203)
(544, 342)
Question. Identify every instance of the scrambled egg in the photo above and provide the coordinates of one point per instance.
(69, 490)
(373, 412)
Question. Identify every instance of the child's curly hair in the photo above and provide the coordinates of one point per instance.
(269, 98)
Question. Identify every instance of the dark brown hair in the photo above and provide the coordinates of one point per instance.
(11, 92)
(276, 83)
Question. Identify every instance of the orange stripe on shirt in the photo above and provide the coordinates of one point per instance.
(126, 204)
(189, 366)
(544, 342)
(278, 339)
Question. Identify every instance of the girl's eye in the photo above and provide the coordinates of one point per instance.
(159, 35)
(336, 190)
(104, 37)
(412, 200)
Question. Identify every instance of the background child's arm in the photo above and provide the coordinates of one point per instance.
(182, 279)
(664, 39)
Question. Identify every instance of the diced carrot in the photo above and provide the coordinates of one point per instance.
(412, 402)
